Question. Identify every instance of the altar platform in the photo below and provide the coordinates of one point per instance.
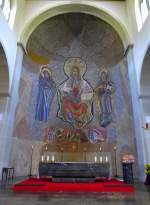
(44, 185)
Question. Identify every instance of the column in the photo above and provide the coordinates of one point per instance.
(8, 119)
(137, 113)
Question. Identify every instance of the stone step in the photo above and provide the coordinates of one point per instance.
(71, 179)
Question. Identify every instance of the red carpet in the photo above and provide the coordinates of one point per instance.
(43, 185)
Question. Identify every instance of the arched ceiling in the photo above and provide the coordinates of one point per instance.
(86, 7)
(57, 36)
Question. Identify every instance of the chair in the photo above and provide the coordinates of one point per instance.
(8, 172)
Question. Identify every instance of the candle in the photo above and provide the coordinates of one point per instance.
(101, 159)
(106, 159)
(42, 158)
(47, 158)
(53, 158)
(115, 147)
(100, 149)
(85, 149)
(32, 147)
(95, 159)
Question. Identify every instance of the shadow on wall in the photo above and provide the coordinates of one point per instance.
(4, 75)
(145, 83)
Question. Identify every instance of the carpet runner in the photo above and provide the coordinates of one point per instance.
(46, 185)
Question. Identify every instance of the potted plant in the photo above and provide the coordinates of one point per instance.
(147, 171)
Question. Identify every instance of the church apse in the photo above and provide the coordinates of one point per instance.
(74, 89)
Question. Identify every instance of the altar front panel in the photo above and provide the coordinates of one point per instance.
(74, 170)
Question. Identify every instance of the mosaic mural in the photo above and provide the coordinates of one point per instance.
(76, 95)
(74, 84)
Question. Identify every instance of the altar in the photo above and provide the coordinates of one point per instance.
(74, 171)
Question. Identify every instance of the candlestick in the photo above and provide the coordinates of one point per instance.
(31, 158)
(62, 149)
(101, 159)
(85, 149)
(53, 158)
(115, 149)
(47, 158)
(106, 159)
(42, 158)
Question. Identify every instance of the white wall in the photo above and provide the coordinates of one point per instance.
(141, 39)
(20, 18)
(8, 41)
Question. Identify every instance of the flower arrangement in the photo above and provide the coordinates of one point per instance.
(128, 158)
(147, 169)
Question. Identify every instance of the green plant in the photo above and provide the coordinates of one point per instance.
(147, 169)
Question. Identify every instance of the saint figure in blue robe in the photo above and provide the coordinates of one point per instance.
(46, 92)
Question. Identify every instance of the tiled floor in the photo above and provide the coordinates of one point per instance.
(140, 197)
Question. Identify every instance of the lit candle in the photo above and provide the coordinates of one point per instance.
(42, 158)
(115, 147)
(47, 158)
(95, 159)
(106, 159)
(53, 158)
(101, 159)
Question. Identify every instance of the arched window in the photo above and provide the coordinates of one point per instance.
(144, 9)
(6, 8)
(148, 3)
(1, 3)
(138, 15)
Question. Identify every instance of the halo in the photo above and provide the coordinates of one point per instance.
(74, 62)
(45, 68)
(104, 70)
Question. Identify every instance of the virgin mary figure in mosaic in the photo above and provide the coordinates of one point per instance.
(103, 92)
(46, 92)
(76, 95)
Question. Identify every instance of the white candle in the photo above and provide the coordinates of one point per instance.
(106, 159)
(53, 158)
(47, 158)
(95, 158)
(101, 159)
(42, 158)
